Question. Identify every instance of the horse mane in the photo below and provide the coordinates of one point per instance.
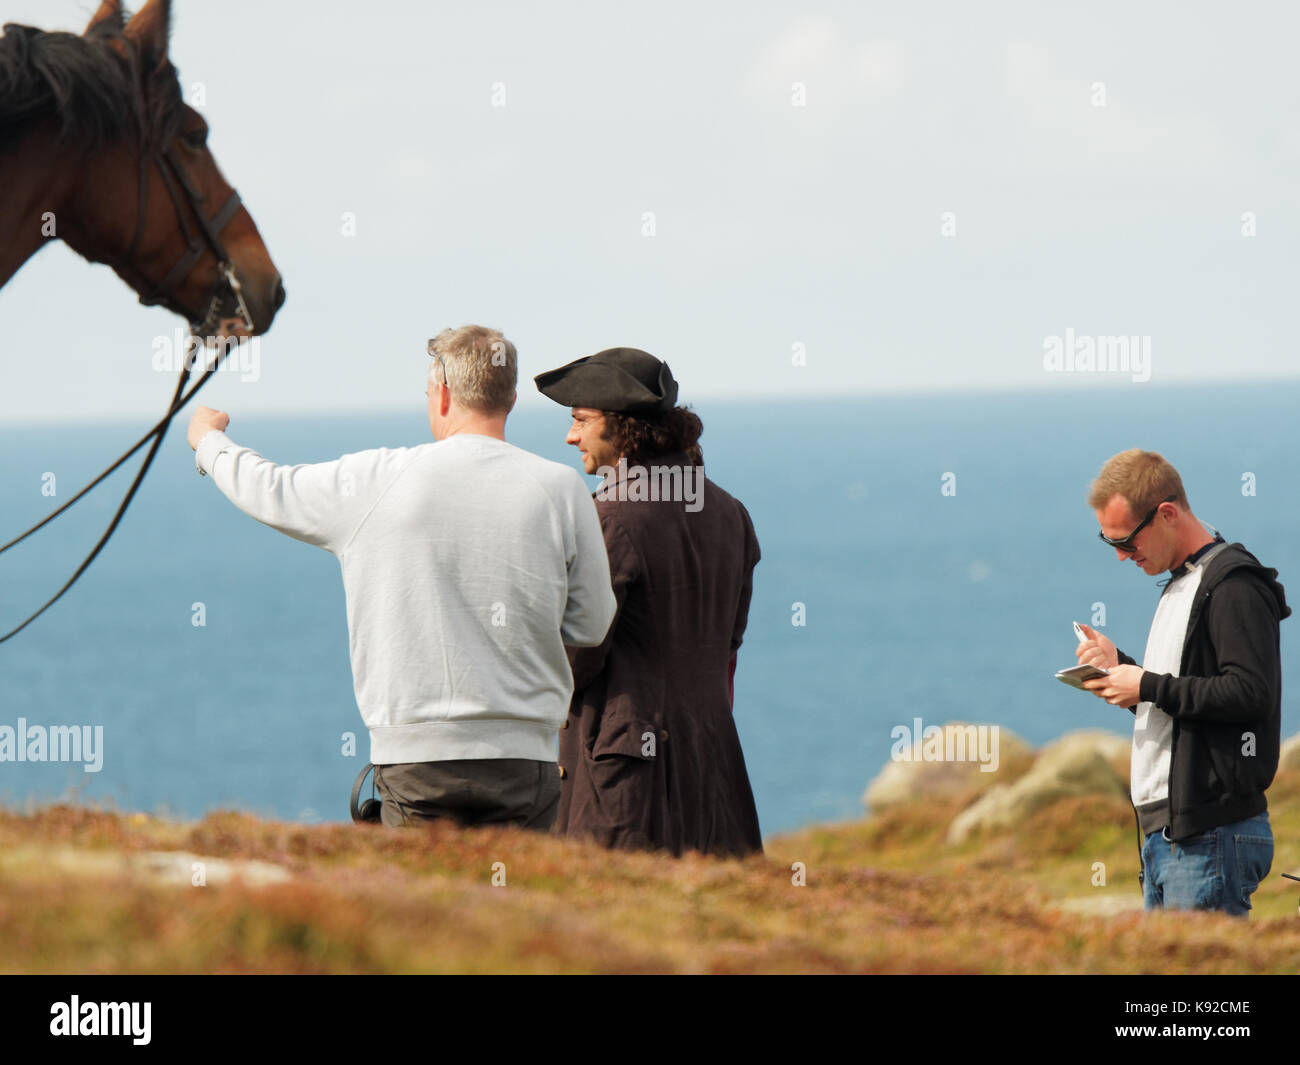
(92, 88)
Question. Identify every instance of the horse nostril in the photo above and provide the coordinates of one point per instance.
(279, 294)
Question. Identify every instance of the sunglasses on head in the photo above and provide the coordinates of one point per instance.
(1126, 544)
(438, 359)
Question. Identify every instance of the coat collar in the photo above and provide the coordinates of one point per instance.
(668, 458)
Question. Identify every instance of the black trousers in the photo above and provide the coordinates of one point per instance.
(474, 791)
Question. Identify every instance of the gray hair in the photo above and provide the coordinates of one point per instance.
(482, 367)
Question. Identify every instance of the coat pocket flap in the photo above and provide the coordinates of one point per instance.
(626, 735)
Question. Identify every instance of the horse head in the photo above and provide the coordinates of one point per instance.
(142, 191)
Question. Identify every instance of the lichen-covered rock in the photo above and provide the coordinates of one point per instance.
(1112, 747)
(1076, 764)
(914, 773)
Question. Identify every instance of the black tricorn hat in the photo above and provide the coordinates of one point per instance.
(623, 380)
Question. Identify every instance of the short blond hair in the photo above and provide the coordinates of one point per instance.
(1144, 479)
(482, 367)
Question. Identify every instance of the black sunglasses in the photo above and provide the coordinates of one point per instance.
(1126, 544)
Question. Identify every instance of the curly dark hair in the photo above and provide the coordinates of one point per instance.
(639, 438)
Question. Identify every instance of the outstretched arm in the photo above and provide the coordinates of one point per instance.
(320, 504)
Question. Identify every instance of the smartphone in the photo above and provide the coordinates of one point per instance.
(1076, 675)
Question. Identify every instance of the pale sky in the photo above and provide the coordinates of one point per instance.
(1093, 165)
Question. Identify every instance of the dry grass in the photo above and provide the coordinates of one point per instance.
(80, 891)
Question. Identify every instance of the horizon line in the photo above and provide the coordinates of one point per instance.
(1085, 386)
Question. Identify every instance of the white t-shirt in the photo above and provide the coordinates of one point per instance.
(1153, 729)
(467, 564)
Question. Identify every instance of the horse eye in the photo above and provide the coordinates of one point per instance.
(196, 139)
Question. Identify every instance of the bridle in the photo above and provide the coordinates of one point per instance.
(195, 244)
(172, 174)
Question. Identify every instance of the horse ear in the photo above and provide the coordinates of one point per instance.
(108, 19)
(149, 29)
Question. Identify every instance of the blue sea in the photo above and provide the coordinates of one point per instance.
(917, 602)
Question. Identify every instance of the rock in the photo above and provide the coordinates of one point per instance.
(180, 868)
(1102, 905)
(1110, 746)
(172, 868)
(1290, 757)
(903, 781)
(1073, 765)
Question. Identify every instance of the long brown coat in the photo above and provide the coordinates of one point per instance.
(649, 753)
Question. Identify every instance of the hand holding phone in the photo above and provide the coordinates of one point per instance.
(1076, 675)
(1094, 648)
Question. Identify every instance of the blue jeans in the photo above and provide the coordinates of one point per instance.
(1217, 870)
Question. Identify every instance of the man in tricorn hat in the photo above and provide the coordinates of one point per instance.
(649, 755)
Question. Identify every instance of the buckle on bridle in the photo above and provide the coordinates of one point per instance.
(237, 290)
(204, 329)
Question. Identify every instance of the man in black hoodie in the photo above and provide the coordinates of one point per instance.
(1207, 698)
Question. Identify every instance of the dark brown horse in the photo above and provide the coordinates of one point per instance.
(98, 149)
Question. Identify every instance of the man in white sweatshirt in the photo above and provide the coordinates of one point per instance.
(468, 564)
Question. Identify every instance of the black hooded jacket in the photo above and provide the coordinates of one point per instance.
(1226, 703)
